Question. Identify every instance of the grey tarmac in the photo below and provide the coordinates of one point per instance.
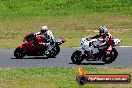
(63, 59)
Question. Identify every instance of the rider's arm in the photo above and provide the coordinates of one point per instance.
(38, 33)
(50, 36)
(103, 43)
(108, 37)
(96, 36)
(106, 40)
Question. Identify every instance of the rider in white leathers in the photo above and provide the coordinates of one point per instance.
(46, 34)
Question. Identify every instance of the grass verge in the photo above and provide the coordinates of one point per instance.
(56, 77)
(73, 28)
(72, 19)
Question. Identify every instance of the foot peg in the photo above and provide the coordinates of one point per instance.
(47, 52)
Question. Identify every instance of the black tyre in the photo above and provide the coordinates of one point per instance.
(19, 53)
(76, 57)
(81, 80)
(55, 51)
(109, 59)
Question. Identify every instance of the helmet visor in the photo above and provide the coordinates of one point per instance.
(43, 31)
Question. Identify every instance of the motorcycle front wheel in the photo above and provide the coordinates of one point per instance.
(77, 57)
(110, 58)
(55, 51)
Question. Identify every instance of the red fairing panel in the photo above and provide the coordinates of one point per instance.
(41, 39)
(63, 39)
(23, 46)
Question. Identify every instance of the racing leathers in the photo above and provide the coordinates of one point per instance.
(48, 36)
(106, 40)
(105, 43)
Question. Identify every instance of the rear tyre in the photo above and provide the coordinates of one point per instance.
(109, 59)
(19, 53)
(76, 57)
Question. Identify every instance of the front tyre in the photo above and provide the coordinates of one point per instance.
(19, 53)
(77, 57)
(109, 59)
(55, 51)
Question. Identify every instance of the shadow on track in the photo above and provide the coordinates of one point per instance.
(89, 63)
(31, 58)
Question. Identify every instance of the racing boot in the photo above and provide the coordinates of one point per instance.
(47, 52)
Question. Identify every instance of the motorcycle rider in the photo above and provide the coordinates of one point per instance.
(106, 39)
(46, 34)
(105, 35)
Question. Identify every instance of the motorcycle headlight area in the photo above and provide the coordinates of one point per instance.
(87, 45)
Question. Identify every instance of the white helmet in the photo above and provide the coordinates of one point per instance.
(43, 29)
(103, 30)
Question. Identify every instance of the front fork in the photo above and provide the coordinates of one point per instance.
(108, 51)
(82, 52)
(49, 48)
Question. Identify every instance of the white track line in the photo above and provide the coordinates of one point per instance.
(115, 46)
(124, 46)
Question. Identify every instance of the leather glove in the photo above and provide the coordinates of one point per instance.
(52, 43)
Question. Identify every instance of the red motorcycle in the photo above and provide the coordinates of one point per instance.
(33, 46)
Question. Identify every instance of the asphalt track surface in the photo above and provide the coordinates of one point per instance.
(7, 59)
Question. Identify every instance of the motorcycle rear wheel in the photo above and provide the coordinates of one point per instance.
(111, 58)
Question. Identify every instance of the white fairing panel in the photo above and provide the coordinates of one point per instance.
(86, 44)
(116, 41)
(96, 42)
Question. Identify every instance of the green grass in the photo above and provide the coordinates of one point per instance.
(22, 8)
(56, 77)
(72, 19)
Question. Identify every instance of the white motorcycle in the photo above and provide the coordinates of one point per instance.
(91, 50)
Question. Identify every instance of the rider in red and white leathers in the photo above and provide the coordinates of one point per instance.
(106, 39)
(47, 35)
(105, 36)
